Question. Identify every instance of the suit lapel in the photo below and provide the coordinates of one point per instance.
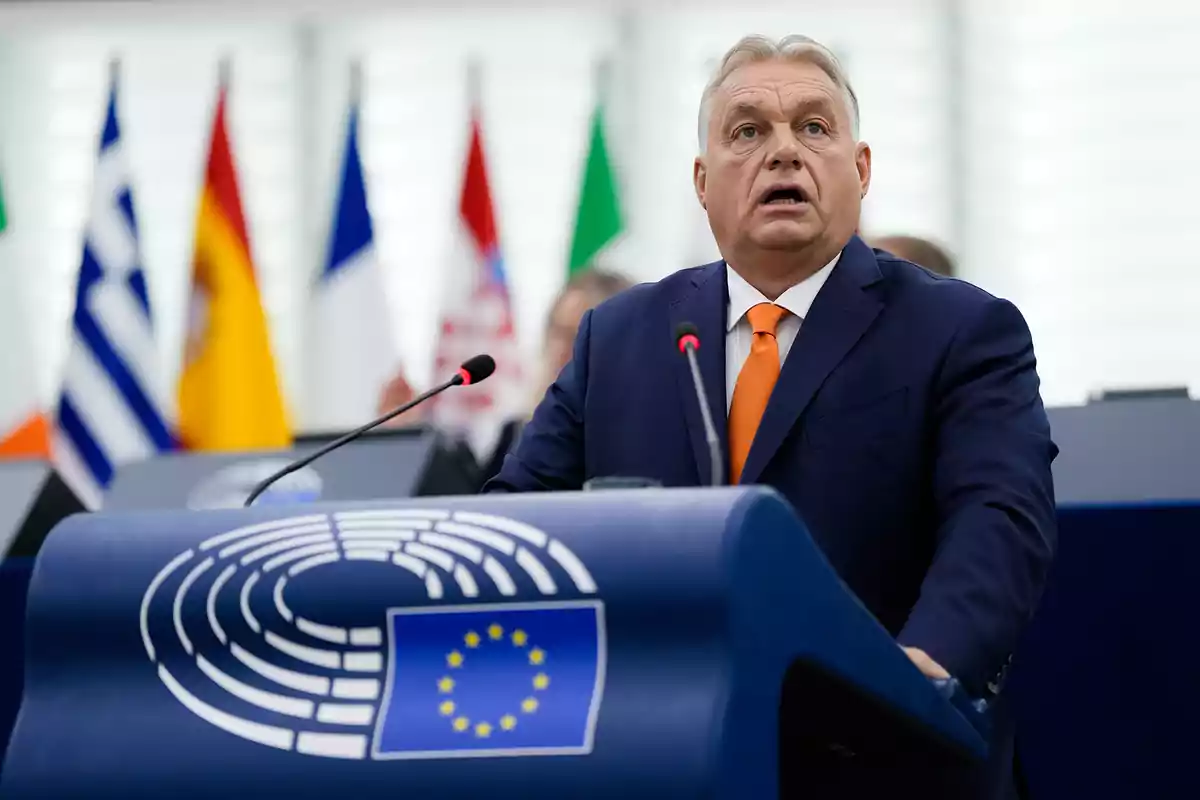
(703, 305)
(841, 313)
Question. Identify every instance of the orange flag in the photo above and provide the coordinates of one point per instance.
(31, 439)
(24, 431)
(229, 394)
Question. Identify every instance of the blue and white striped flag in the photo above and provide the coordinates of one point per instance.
(351, 345)
(111, 410)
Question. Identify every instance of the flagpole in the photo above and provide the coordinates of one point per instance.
(604, 70)
(474, 84)
(224, 72)
(114, 73)
(356, 82)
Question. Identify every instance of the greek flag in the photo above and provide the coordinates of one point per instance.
(111, 408)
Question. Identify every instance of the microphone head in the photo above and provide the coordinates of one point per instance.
(687, 335)
(477, 368)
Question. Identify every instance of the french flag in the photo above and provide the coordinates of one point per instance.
(351, 341)
(477, 315)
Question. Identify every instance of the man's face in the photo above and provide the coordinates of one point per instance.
(782, 171)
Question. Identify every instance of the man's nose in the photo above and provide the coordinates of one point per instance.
(785, 150)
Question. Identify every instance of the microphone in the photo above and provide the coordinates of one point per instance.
(687, 339)
(473, 370)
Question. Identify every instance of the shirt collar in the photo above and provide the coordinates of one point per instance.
(797, 300)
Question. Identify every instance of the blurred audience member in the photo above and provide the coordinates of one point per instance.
(918, 251)
(583, 291)
(586, 289)
(397, 392)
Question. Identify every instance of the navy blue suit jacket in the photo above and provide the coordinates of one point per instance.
(906, 428)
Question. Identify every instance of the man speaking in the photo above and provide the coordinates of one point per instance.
(898, 411)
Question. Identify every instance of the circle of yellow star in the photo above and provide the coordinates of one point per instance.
(446, 685)
(541, 681)
(446, 708)
(495, 632)
(460, 724)
(537, 656)
(483, 730)
(508, 722)
(519, 638)
(454, 659)
(529, 705)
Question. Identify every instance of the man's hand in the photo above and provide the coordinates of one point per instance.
(929, 668)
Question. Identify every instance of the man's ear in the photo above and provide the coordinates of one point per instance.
(700, 180)
(862, 160)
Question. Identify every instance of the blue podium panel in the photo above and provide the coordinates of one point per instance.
(588, 645)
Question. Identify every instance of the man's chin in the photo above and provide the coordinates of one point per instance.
(784, 236)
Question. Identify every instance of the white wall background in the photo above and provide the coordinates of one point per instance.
(1046, 142)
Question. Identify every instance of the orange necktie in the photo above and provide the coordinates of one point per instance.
(754, 385)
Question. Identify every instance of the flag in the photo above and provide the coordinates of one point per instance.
(111, 406)
(353, 354)
(598, 220)
(229, 394)
(520, 679)
(477, 316)
(24, 432)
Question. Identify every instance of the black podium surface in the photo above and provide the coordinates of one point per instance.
(33, 499)
(403, 462)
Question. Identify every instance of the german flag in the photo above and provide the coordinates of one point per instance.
(229, 394)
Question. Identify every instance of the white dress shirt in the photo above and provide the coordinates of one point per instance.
(738, 333)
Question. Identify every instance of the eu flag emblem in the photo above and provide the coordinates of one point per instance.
(492, 680)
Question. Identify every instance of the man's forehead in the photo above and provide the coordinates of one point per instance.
(769, 82)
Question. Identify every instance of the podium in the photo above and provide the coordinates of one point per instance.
(681, 643)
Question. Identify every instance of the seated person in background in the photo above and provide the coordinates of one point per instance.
(397, 392)
(585, 290)
(918, 251)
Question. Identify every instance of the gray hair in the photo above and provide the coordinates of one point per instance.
(796, 48)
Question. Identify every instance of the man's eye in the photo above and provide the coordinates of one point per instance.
(814, 128)
(745, 132)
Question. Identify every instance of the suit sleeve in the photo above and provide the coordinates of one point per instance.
(549, 455)
(994, 496)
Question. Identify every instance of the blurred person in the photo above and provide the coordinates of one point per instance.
(918, 251)
(898, 412)
(585, 290)
(396, 392)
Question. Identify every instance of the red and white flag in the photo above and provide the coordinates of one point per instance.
(477, 316)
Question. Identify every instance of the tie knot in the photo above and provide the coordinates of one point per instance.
(764, 317)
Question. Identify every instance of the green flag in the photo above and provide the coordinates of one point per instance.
(3, 219)
(598, 221)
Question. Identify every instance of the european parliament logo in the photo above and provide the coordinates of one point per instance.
(239, 638)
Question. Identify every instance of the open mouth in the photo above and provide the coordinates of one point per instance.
(784, 196)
